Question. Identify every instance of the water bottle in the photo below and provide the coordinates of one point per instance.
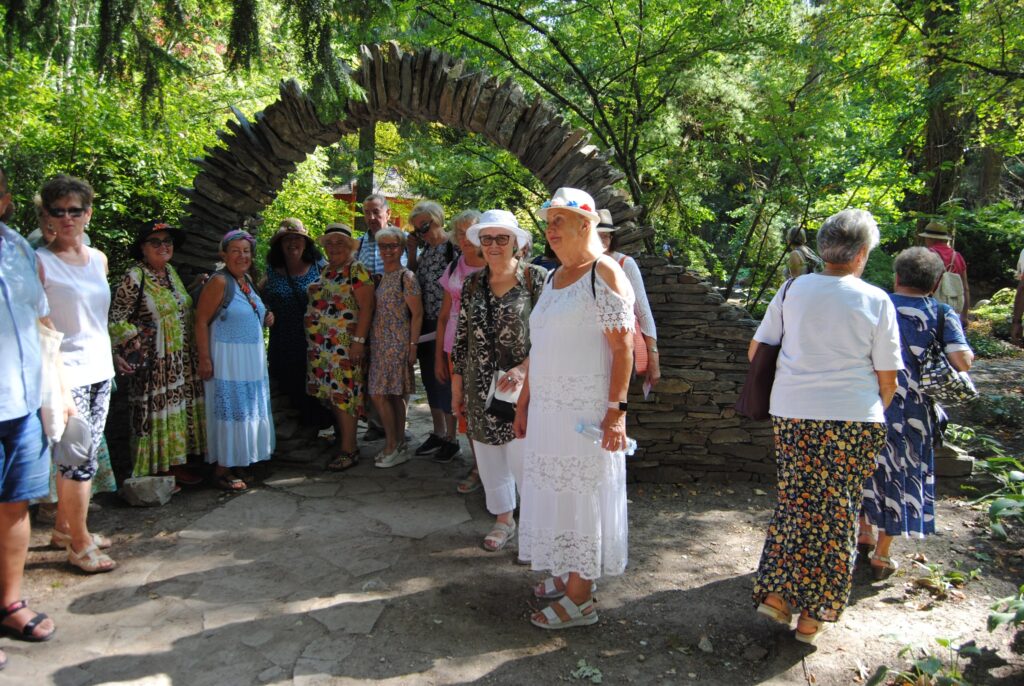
(594, 432)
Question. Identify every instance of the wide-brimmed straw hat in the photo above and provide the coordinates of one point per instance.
(499, 219)
(572, 199)
(291, 226)
(937, 231)
(338, 229)
(147, 230)
(605, 225)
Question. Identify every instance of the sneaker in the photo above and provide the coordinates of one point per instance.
(448, 452)
(374, 433)
(328, 433)
(430, 446)
(394, 459)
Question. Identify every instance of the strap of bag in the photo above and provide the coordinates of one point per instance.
(782, 311)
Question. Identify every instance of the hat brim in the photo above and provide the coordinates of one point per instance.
(523, 237)
(594, 217)
(278, 236)
(937, 236)
(352, 241)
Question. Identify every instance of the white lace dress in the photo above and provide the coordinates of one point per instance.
(573, 516)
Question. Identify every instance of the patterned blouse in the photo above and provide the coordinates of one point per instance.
(493, 334)
(430, 265)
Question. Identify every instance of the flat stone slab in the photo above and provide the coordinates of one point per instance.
(416, 518)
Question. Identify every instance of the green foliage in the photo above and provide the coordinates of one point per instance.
(1008, 611)
(991, 328)
(586, 672)
(1006, 499)
(927, 668)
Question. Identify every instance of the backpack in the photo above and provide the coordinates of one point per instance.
(229, 293)
(951, 288)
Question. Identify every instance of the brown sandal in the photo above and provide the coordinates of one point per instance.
(343, 461)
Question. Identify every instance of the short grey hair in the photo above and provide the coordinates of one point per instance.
(845, 234)
(379, 197)
(391, 232)
(431, 209)
(464, 219)
(918, 268)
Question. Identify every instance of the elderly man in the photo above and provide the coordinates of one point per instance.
(377, 213)
(24, 454)
(952, 291)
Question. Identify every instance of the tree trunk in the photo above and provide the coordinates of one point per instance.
(365, 157)
(990, 175)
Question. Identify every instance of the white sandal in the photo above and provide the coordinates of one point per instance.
(549, 590)
(499, 535)
(91, 560)
(59, 539)
(578, 615)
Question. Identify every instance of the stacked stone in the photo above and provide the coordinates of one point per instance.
(688, 430)
(240, 178)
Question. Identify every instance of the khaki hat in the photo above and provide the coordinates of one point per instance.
(290, 226)
(937, 231)
(606, 225)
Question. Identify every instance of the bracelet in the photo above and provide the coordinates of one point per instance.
(652, 350)
(358, 339)
(617, 405)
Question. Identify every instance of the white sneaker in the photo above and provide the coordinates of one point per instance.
(394, 459)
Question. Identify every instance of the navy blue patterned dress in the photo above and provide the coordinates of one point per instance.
(899, 498)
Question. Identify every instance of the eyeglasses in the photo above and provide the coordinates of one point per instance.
(61, 211)
(336, 244)
(159, 242)
(501, 240)
(388, 246)
(424, 226)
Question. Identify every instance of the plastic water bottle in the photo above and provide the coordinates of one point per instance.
(594, 433)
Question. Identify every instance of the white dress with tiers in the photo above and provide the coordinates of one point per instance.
(573, 515)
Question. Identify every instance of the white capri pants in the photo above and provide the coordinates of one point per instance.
(501, 468)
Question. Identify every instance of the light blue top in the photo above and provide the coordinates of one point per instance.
(24, 302)
(368, 253)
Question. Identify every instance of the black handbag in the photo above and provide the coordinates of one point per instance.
(756, 394)
(938, 378)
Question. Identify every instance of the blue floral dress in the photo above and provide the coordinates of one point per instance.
(899, 497)
(239, 426)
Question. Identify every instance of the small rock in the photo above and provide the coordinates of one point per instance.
(641, 657)
(705, 645)
(755, 653)
(147, 491)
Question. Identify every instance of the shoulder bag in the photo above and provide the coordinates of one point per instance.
(755, 397)
(938, 378)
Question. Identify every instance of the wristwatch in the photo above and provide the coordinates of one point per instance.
(617, 405)
(358, 339)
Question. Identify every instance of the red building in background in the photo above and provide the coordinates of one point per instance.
(392, 187)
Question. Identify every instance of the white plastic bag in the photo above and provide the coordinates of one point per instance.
(52, 409)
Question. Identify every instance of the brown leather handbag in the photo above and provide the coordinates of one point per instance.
(756, 395)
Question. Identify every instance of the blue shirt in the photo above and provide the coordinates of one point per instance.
(369, 255)
(23, 303)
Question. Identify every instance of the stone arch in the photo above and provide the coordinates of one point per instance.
(240, 178)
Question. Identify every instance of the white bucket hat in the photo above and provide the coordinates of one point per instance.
(605, 225)
(572, 199)
(499, 219)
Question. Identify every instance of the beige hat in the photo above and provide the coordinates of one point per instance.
(290, 226)
(605, 225)
(937, 231)
(338, 229)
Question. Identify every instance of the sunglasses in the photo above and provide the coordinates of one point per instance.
(159, 242)
(69, 211)
(501, 240)
(423, 227)
(388, 246)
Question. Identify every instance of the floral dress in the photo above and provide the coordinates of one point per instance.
(493, 334)
(330, 323)
(167, 411)
(899, 498)
(390, 371)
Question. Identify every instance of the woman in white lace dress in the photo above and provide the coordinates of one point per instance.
(573, 517)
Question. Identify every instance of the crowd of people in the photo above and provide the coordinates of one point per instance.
(517, 355)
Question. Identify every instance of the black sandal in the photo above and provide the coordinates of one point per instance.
(343, 461)
(26, 633)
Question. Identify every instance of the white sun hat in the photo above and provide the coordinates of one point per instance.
(499, 219)
(572, 199)
(606, 225)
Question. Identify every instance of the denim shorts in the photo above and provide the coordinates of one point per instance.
(24, 459)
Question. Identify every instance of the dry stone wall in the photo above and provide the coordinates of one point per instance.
(687, 429)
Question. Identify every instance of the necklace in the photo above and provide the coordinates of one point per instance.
(246, 289)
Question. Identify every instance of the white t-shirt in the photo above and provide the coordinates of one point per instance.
(838, 331)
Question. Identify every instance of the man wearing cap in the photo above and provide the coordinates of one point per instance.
(24, 457)
(937, 238)
(377, 213)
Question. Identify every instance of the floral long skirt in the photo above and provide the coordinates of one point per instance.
(810, 548)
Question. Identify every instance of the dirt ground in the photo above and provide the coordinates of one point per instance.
(681, 614)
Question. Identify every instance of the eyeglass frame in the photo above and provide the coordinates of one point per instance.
(58, 212)
(500, 240)
(159, 242)
(389, 246)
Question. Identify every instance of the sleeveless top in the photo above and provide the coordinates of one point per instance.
(79, 298)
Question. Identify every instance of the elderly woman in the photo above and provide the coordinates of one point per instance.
(648, 363)
(151, 327)
(573, 517)
(293, 263)
(491, 349)
(75, 279)
(828, 413)
(232, 361)
(469, 262)
(337, 324)
(394, 339)
(435, 253)
(899, 498)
